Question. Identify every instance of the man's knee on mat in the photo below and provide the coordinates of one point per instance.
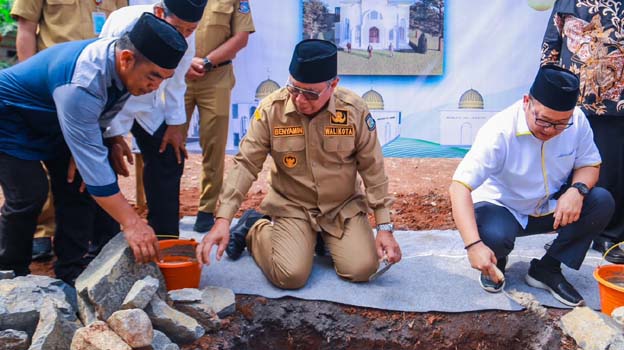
(358, 271)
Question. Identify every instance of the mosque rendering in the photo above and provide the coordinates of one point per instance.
(374, 22)
(458, 127)
(388, 122)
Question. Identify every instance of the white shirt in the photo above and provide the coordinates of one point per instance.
(510, 167)
(166, 104)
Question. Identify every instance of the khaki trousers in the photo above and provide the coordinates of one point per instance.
(284, 250)
(211, 94)
(45, 222)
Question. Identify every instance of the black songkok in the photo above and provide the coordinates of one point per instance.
(158, 41)
(314, 61)
(556, 88)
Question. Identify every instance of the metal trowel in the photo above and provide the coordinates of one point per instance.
(383, 267)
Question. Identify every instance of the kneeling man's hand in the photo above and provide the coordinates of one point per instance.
(387, 247)
(219, 235)
(568, 208)
(482, 258)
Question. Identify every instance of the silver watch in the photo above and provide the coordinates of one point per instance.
(385, 227)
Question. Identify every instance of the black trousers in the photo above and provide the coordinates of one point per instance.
(609, 137)
(161, 180)
(79, 220)
(499, 229)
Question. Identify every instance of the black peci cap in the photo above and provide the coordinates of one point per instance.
(158, 41)
(556, 88)
(314, 61)
(187, 10)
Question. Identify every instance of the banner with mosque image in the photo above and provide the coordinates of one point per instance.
(475, 58)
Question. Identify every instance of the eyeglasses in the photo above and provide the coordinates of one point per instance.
(307, 94)
(545, 123)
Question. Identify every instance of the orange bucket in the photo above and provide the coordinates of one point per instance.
(610, 285)
(178, 263)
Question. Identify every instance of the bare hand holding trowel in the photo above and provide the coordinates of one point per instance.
(482, 258)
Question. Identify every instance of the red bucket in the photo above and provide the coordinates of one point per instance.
(178, 263)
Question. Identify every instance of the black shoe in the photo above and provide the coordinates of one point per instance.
(553, 281)
(238, 232)
(490, 286)
(42, 249)
(615, 256)
(204, 222)
(319, 249)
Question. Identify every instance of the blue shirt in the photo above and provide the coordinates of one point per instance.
(65, 94)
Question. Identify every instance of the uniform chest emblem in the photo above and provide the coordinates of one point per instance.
(340, 118)
(243, 7)
(290, 160)
(339, 131)
(287, 131)
(370, 122)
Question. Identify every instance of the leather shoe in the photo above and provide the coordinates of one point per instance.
(204, 222)
(238, 232)
(553, 281)
(615, 256)
(42, 249)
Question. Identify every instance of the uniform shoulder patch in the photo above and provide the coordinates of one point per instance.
(243, 7)
(340, 118)
(257, 115)
(370, 122)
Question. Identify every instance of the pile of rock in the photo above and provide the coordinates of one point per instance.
(119, 304)
(594, 330)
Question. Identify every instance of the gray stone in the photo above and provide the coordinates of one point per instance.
(201, 312)
(133, 326)
(592, 330)
(618, 315)
(185, 295)
(105, 283)
(21, 299)
(176, 325)
(141, 293)
(221, 300)
(86, 310)
(7, 274)
(161, 342)
(54, 330)
(97, 336)
(11, 339)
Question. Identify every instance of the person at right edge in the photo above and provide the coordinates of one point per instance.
(513, 183)
(222, 32)
(586, 38)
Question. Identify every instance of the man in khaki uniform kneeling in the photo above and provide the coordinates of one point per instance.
(319, 137)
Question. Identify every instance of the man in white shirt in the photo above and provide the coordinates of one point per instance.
(518, 172)
(157, 119)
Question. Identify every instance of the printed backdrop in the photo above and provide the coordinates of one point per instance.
(490, 51)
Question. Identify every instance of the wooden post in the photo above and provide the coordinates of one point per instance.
(141, 202)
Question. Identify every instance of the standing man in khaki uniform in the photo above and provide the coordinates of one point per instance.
(223, 31)
(44, 23)
(320, 138)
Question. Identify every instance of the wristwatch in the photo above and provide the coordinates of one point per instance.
(385, 227)
(582, 188)
(208, 66)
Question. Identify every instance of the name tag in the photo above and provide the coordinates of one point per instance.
(98, 21)
(288, 131)
(339, 131)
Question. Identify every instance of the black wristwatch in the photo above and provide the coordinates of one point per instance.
(208, 66)
(582, 188)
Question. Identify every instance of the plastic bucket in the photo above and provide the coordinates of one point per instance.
(178, 263)
(610, 285)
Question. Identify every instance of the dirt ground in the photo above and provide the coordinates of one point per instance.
(421, 203)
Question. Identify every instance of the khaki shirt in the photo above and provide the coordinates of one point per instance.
(221, 20)
(63, 20)
(315, 163)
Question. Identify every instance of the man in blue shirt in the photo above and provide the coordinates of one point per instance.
(59, 101)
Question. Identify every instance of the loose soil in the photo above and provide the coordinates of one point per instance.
(419, 187)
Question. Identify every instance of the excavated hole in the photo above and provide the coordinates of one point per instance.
(260, 323)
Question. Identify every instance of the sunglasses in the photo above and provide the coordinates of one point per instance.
(307, 94)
